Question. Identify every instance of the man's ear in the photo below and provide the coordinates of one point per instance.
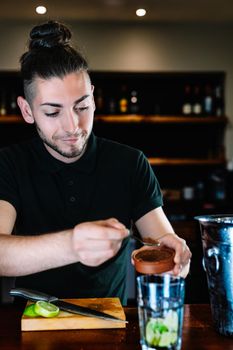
(25, 110)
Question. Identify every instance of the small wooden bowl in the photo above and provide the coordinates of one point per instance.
(154, 260)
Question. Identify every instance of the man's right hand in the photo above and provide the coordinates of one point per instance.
(98, 241)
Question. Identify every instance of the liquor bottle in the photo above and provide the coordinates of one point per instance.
(200, 190)
(197, 105)
(187, 103)
(3, 110)
(99, 101)
(134, 106)
(218, 103)
(217, 185)
(208, 100)
(123, 101)
(13, 107)
(112, 105)
(229, 181)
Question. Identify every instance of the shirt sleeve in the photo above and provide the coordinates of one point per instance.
(8, 182)
(146, 193)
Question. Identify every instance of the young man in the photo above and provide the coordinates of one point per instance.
(69, 197)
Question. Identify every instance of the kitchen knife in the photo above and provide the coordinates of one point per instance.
(34, 295)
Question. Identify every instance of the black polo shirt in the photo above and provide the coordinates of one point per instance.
(109, 180)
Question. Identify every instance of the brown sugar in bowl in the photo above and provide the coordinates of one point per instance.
(154, 260)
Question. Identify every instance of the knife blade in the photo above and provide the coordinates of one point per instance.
(34, 295)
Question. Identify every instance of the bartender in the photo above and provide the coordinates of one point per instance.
(67, 197)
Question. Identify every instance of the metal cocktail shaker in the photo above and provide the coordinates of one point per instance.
(217, 243)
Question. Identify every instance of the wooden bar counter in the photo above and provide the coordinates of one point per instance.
(198, 333)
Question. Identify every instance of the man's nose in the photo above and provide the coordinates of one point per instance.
(71, 122)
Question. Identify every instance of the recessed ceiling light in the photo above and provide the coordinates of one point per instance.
(140, 12)
(41, 10)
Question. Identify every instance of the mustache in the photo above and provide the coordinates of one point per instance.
(77, 134)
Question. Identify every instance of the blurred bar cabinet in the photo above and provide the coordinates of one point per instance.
(178, 120)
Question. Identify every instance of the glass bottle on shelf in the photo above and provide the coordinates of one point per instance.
(197, 106)
(187, 102)
(217, 185)
(13, 107)
(99, 101)
(123, 101)
(3, 110)
(112, 106)
(208, 100)
(218, 103)
(134, 106)
(229, 181)
(200, 190)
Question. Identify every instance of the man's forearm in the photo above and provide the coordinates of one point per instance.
(91, 243)
(23, 255)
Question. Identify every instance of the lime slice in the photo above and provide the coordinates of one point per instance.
(30, 311)
(150, 334)
(46, 309)
(166, 339)
(174, 337)
(162, 332)
(153, 331)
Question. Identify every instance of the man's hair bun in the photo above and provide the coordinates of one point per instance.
(49, 35)
(50, 54)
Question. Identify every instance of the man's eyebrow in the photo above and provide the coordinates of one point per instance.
(81, 99)
(60, 105)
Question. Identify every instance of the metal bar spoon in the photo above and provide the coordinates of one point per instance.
(147, 241)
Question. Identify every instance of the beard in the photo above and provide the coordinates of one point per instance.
(75, 151)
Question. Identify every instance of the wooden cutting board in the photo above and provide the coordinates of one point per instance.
(66, 320)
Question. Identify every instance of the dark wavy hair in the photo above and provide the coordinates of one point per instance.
(49, 55)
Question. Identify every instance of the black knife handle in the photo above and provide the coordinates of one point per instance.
(31, 294)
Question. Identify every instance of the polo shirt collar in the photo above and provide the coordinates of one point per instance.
(85, 164)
